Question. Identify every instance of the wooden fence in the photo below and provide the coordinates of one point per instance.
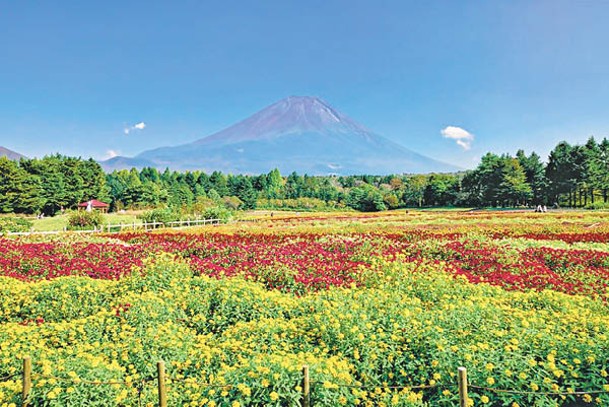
(120, 227)
(306, 385)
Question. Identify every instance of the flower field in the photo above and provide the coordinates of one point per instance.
(383, 308)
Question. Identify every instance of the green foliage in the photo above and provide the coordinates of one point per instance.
(232, 202)
(366, 198)
(576, 175)
(301, 204)
(391, 201)
(218, 212)
(162, 215)
(14, 224)
(83, 220)
(598, 205)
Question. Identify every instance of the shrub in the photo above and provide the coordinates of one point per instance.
(598, 205)
(232, 202)
(14, 224)
(81, 220)
(218, 212)
(300, 204)
(162, 215)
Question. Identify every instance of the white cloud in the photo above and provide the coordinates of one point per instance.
(461, 136)
(111, 154)
(138, 126)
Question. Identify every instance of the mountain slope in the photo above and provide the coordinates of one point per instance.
(302, 134)
(10, 154)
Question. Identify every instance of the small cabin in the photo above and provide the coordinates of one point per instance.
(94, 204)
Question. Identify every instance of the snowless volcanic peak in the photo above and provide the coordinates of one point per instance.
(11, 155)
(289, 116)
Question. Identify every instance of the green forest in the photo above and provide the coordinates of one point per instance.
(574, 176)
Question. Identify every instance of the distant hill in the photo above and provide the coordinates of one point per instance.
(120, 162)
(10, 154)
(302, 134)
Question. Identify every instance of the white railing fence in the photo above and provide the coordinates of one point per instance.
(120, 227)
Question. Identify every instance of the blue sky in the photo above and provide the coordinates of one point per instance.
(514, 74)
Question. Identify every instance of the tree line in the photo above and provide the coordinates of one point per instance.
(575, 176)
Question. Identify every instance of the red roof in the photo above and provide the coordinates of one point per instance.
(94, 203)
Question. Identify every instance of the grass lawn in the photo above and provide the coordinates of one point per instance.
(58, 222)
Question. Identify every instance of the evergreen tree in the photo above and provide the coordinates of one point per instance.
(219, 183)
(246, 193)
(592, 169)
(603, 169)
(534, 171)
(560, 173)
(513, 189)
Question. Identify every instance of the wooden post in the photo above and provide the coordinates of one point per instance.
(306, 387)
(462, 379)
(160, 366)
(27, 381)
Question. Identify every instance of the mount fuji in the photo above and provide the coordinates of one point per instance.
(298, 133)
(10, 154)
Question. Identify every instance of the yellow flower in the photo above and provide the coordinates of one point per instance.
(490, 380)
(236, 404)
(484, 399)
(274, 396)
